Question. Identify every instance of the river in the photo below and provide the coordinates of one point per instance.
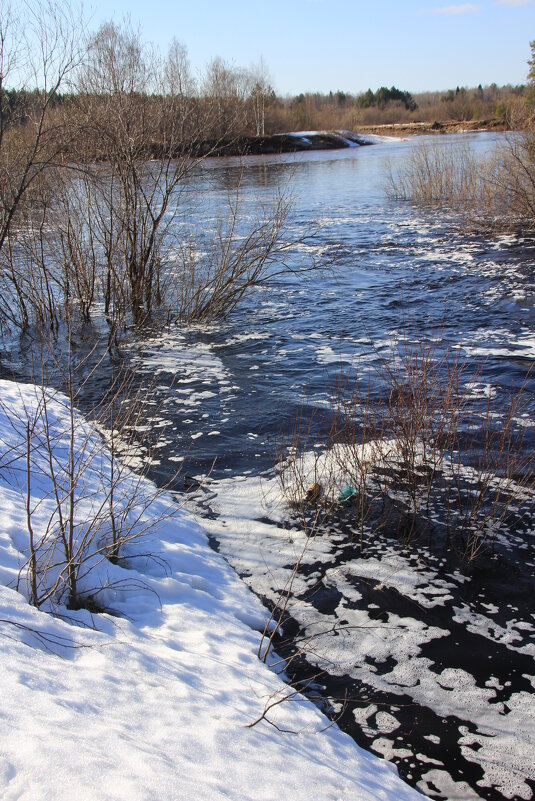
(424, 659)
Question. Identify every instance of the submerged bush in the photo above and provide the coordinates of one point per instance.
(496, 190)
(422, 449)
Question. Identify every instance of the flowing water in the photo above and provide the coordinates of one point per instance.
(398, 267)
(425, 660)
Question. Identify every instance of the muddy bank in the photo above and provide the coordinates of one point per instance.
(301, 141)
(282, 143)
(452, 126)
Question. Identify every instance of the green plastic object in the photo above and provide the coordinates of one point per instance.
(347, 494)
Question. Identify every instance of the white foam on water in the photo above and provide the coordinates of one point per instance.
(326, 355)
(440, 780)
(386, 722)
(500, 343)
(239, 339)
(420, 585)
(510, 635)
(505, 752)
(362, 715)
(479, 389)
(389, 750)
(188, 362)
(351, 641)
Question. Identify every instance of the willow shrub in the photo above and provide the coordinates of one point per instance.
(495, 190)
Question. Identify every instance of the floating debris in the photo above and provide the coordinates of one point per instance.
(347, 494)
(314, 492)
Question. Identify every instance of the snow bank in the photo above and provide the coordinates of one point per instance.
(154, 701)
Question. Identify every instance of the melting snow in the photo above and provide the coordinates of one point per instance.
(154, 701)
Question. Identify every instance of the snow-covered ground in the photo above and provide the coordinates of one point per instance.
(154, 699)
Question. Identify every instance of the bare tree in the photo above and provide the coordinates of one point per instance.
(226, 89)
(39, 49)
(103, 232)
(138, 108)
(261, 92)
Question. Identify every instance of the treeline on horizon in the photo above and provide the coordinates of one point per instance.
(388, 106)
(248, 105)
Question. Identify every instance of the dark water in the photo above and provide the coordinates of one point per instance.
(399, 270)
(453, 703)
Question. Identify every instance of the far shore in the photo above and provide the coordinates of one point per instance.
(451, 126)
(300, 141)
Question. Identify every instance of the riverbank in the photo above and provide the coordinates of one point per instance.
(292, 142)
(302, 141)
(157, 695)
(449, 127)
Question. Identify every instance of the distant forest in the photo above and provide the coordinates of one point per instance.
(385, 106)
(248, 105)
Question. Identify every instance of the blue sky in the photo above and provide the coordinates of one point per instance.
(345, 44)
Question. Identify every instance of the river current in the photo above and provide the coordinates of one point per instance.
(424, 660)
(397, 267)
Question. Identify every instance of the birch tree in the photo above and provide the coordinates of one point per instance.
(260, 94)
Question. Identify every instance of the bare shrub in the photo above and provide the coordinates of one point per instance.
(214, 274)
(512, 175)
(493, 191)
(489, 472)
(84, 503)
(415, 452)
(439, 174)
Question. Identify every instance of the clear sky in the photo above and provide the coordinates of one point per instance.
(349, 45)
